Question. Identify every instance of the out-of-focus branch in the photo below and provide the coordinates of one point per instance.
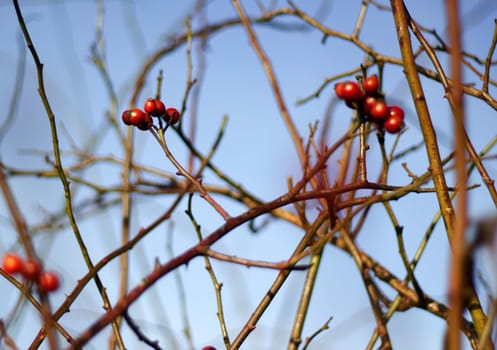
(208, 30)
(431, 143)
(447, 84)
(458, 278)
(488, 61)
(65, 183)
(17, 216)
(462, 140)
(272, 81)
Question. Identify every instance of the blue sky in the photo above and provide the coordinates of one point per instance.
(256, 151)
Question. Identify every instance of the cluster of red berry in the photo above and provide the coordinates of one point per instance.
(153, 108)
(31, 271)
(370, 104)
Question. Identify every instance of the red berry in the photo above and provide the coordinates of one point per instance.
(125, 116)
(149, 106)
(396, 111)
(133, 116)
(378, 111)
(12, 263)
(393, 124)
(172, 115)
(371, 85)
(351, 92)
(156, 108)
(48, 282)
(31, 270)
(160, 108)
(367, 103)
(208, 348)
(339, 90)
(145, 123)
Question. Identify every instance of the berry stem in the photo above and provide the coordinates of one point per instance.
(362, 153)
(159, 85)
(159, 136)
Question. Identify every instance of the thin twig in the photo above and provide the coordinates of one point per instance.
(488, 60)
(217, 285)
(159, 136)
(154, 344)
(183, 305)
(360, 20)
(323, 328)
(305, 299)
(272, 80)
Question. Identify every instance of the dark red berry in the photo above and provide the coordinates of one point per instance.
(396, 111)
(378, 111)
(172, 115)
(149, 105)
(371, 85)
(48, 282)
(339, 90)
(145, 123)
(31, 270)
(351, 92)
(208, 348)
(133, 116)
(393, 124)
(12, 263)
(367, 103)
(125, 116)
(154, 107)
